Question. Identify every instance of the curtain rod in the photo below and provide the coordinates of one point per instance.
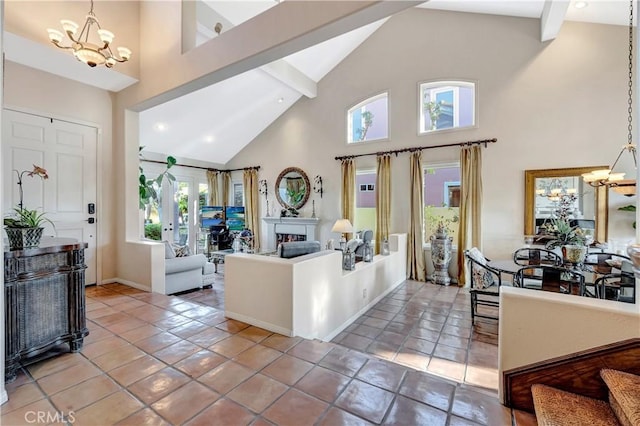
(203, 168)
(420, 148)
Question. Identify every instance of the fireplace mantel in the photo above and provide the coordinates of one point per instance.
(289, 225)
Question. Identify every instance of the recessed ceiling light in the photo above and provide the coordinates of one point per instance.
(580, 4)
(208, 139)
(161, 127)
(280, 100)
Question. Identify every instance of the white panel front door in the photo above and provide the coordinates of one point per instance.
(68, 152)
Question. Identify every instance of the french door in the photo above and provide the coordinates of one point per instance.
(68, 197)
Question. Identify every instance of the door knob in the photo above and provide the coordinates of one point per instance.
(91, 220)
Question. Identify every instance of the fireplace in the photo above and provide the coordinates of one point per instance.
(281, 229)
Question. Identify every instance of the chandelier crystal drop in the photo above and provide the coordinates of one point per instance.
(616, 181)
(91, 53)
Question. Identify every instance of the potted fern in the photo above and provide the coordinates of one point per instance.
(25, 228)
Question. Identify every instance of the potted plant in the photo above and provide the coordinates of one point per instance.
(24, 229)
(571, 239)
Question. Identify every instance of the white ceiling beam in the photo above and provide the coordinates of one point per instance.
(292, 77)
(552, 18)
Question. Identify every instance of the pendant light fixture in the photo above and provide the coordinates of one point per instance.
(91, 53)
(616, 181)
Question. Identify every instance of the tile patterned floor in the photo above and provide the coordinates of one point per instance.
(151, 359)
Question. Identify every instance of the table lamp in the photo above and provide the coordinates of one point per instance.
(343, 226)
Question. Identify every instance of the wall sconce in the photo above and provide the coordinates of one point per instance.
(317, 185)
(263, 189)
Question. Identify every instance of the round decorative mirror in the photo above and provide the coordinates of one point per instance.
(292, 188)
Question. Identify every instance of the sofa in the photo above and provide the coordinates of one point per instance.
(357, 243)
(182, 273)
(289, 250)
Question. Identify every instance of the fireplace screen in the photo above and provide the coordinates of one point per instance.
(285, 238)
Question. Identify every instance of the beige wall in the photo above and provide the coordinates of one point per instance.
(47, 94)
(549, 104)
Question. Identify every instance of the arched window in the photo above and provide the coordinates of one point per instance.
(369, 120)
(447, 105)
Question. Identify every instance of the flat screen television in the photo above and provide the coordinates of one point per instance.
(235, 218)
(211, 215)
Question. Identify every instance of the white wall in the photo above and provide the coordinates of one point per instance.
(555, 104)
(47, 94)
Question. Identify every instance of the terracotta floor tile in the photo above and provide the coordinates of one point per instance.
(344, 361)
(413, 359)
(383, 374)
(94, 350)
(199, 363)
(421, 345)
(336, 416)
(287, 369)
(232, 346)
(428, 389)
(146, 417)
(400, 328)
(454, 341)
(208, 337)
(118, 357)
(215, 318)
(366, 331)
(136, 370)
(158, 385)
(27, 414)
(259, 421)
(446, 368)
(432, 316)
(200, 312)
(109, 410)
(382, 350)
(124, 326)
(479, 407)
(257, 357)
(310, 350)
(459, 421)
(156, 342)
(384, 315)
(257, 393)
(254, 333)
(85, 393)
(171, 321)
(322, 383)
(522, 418)
(97, 333)
(232, 326)
(188, 329)
(405, 411)
(295, 407)
(184, 403)
(226, 376)
(97, 313)
(457, 330)
(431, 325)
(140, 333)
(281, 343)
(423, 333)
(223, 412)
(375, 322)
(69, 377)
(450, 353)
(183, 306)
(356, 342)
(365, 401)
(482, 376)
(21, 396)
(176, 352)
(49, 366)
(111, 319)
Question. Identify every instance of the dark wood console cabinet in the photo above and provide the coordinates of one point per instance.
(44, 300)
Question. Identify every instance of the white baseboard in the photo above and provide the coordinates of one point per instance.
(3, 396)
(358, 314)
(258, 323)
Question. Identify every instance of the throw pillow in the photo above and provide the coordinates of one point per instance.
(169, 253)
(482, 278)
(181, 251)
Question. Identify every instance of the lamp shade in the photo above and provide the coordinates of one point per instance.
(342, 226)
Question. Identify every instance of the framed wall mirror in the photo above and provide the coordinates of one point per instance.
(550, 193)
(292, 188)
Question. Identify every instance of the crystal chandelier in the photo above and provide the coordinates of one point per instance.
(85, 51)
(616, 181)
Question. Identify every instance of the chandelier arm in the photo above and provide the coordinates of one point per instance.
(618, 158)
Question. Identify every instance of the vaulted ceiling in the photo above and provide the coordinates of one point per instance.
(213, 124)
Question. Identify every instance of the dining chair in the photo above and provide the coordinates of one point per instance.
(485, 286)
(620, 286)
(536, 256)
(550, 278)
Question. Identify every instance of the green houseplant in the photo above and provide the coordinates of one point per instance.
(146, 187)
(25, 228)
